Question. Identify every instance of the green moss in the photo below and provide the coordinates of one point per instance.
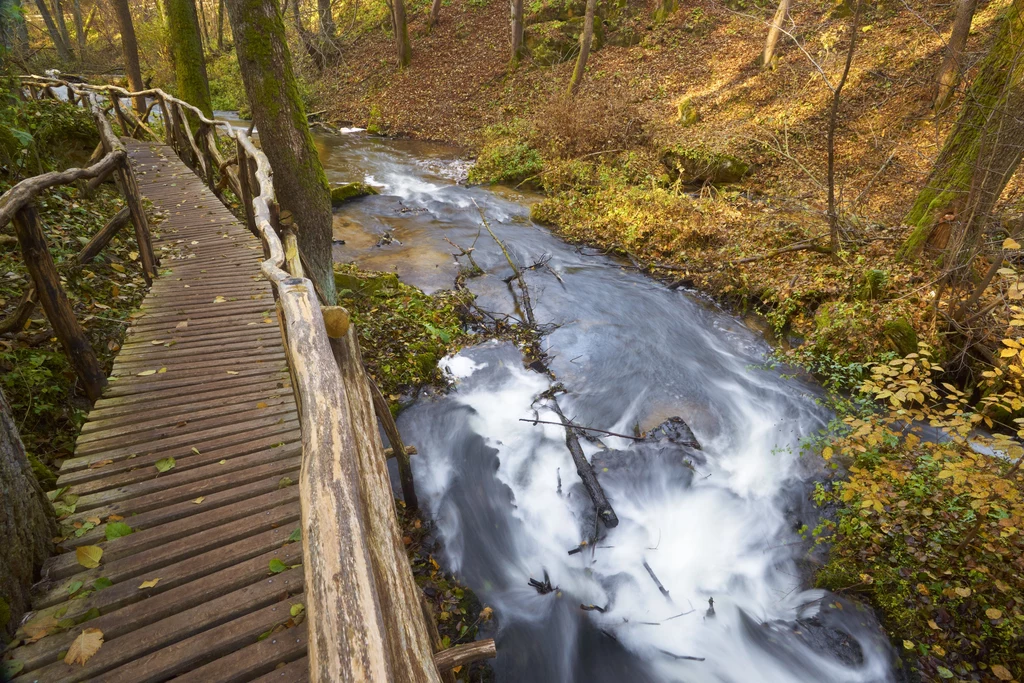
(699, 165)
(343, 193)
(875, 282)
(403, 332)
(375, 121)
(686, 113)
(902, 335)
(553, 42)
(507, 161)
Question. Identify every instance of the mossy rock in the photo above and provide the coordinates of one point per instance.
(875, 282)
(541, 11)
(902, 335)
(698, 166)
(343, 193)
(553, 42)
(625, 37)
(687, 113)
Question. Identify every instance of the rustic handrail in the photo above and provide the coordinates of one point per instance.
(363, 606)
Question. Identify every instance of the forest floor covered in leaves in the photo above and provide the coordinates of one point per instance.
(686, 157)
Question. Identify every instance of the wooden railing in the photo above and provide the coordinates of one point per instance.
(367, 621)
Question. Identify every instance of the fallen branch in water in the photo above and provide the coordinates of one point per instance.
(468, 253)
(585, 470)
(576, 426)
(661, 588)
(527, 306)
(543, 587)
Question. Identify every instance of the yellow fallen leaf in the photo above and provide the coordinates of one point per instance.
(183, 324)
(199, 500)
(149, 584)
(147, 373)
(118, 267)
(963, 592)
(39, 628)
(97, 521)
(161, 371)
(908, 644)
(993, 613)
(1001, 672)
(219, 300)
(89, 555)
(232, 372)
(261, 404)
(84, 647)
(1010, 243)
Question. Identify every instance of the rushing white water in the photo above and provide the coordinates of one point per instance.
(720, 522)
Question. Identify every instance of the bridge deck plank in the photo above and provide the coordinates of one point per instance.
(220, 402)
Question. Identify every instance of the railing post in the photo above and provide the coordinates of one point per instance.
(246, 188)
(121, 119)
(168, 124)
(55, 303)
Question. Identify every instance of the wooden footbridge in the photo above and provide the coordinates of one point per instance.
(235, 443)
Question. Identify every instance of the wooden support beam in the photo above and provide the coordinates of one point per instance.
(102, 238)
(55, 303)
(15, 322)
(387, 421)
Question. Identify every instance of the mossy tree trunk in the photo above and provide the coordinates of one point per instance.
(400, 25)
(980, 154)
(187, 54)
(280, 115)
(774, 32)
(517, 29)
(953, 62)
(130, 47)
(27, 526)
(586, 39)
(63, 52)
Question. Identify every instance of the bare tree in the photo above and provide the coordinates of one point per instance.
(773, 33)
(63, 51)
(953, 63)
(58, 15)
(400, 25)
(76, 14)
(220, 26)
(130, 48)
(325, 14)
(517, 29)
(586, 38)
(435, 14)
(834, 227)
(278, 111)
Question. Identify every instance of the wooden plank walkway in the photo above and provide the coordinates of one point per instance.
(201, 378)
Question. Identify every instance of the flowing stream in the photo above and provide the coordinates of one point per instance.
(721, 522)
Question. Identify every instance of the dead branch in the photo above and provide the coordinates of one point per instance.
(527, 306)
(585, 470)
(576, 426)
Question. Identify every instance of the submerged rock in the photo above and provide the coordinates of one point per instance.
(674, 430)
(343, 193)
(697, 166)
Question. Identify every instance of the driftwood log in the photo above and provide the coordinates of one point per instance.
(583, 468)
(460, 655)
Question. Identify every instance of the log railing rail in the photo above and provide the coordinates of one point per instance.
(365, 617)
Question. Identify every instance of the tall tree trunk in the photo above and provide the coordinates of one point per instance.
(980, 153)
(58, 15)
(201, 10)
(586, 38)
(435, 14)
(400, 25)
(26, 525)
(953, 62)
(76, 14)
(187, 54)
(517, 29)
(130, 49)
(63, 52)
(773, 33)
(326, 17)
(278, 112)
(220, 26)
